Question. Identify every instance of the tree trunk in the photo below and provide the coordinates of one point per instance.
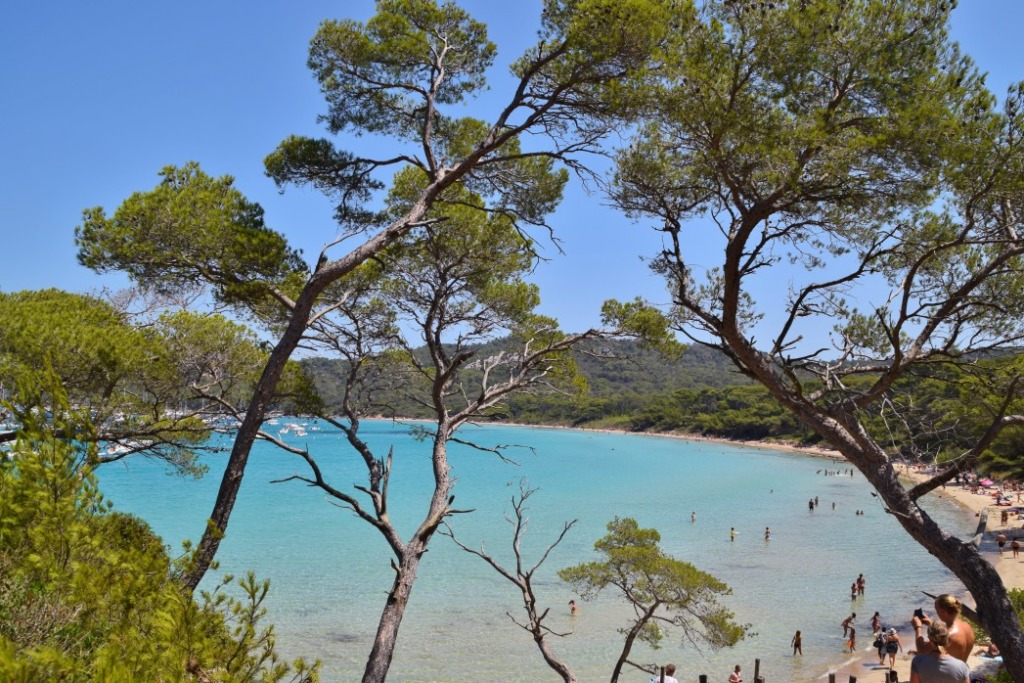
(231, 481)
(627, 645)
(845, 433)
(234, 470)
(552, 661)
(995, 612)
(383, 651)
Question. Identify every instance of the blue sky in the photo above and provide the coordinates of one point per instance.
(97, 97)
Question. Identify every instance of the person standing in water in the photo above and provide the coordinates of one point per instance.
(732, 533)
(797, 644)
(848, 623)
(767, 534)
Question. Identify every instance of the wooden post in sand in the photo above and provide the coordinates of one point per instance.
(757, 670)
(831, 678)
(703, 678)
(853, 679)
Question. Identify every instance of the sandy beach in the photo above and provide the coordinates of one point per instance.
(1010, 570)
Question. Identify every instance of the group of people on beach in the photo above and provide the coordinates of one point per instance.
(941, 645)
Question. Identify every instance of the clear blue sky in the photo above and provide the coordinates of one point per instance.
(95, 97)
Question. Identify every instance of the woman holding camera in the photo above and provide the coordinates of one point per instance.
(961, 635)
(938, 666)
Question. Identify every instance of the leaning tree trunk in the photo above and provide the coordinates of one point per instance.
(234, 470)
(557, 665)
(409, 555)
(995, 612)
(383, 651)
(847, 435)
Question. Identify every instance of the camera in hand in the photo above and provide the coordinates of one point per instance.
(919, 613)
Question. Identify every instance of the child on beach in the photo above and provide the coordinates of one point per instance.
(797, 644)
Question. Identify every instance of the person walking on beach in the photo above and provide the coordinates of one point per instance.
(961, 635)
(848, 623)
(892, 646)
(1015, 546)
(736, 676)
(797, 644)
(938, 666)
(880, 645)
(1001, 541)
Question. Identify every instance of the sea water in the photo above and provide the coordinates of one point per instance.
(330, 571)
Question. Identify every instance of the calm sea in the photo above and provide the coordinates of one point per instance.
(330, 572)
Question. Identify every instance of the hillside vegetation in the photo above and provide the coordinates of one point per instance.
(628, 387)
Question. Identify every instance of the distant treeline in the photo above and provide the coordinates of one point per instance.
(629, 387)
(932, 414)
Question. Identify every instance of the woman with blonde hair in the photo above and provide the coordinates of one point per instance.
(938, 666)
(961, 635)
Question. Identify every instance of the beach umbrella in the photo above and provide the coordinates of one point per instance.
(986, 482)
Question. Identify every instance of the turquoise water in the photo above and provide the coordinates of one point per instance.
(330, 571)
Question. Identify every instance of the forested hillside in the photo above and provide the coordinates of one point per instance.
(628, 387)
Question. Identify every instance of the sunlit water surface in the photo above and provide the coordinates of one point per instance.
(330, 571)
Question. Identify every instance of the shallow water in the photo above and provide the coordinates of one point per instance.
(329, 571)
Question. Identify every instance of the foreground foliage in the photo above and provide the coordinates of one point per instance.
(87, 594)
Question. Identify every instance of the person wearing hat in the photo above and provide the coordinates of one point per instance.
(892, 646)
